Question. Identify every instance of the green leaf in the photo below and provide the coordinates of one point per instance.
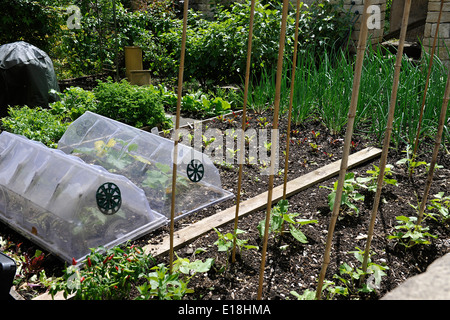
(297, 234)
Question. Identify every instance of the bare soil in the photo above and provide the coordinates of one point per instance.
(291, 265)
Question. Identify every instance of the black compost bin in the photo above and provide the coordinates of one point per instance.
(26, 76)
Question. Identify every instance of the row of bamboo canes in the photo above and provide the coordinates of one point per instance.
(360, 53)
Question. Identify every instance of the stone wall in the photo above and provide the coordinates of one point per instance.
(375, 34)
(444, 29)
(416, 21)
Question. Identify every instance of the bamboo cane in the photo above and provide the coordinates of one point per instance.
(347, 141)
(387, 138)
(433, 50)
(288, 133)
(294, 66)
(177, 127)
(437, 144)
(275, 141)
(244, 121)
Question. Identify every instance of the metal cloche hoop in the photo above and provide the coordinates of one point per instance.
(195, 170)
(109, 198)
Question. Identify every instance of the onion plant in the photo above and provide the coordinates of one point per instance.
(323, 87)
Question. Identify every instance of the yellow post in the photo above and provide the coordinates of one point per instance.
(133, 60)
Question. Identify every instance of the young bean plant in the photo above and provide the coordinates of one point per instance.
(350, 194)
(370, 182)
(225, 243)
(349, 277)
(165, 285)
(280, 217)
(439, 208)
(410, 233)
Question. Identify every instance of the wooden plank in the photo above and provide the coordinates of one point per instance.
(192, 232)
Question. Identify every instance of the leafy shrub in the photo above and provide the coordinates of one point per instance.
(74, 102)
(30, 21)
(216, 49)
(36, 124)
(134, 105)
(195, 103)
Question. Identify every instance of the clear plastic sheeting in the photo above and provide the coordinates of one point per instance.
(147, 160)
(66, 205)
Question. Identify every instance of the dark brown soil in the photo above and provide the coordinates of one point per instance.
(289, 264)
(293, 266)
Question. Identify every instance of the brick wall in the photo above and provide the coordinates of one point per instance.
(444, 29)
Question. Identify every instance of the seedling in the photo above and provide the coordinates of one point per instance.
(314, 147)
(279, 217)
(371, 182)
(262, 122)
(232, 153)
(350, 277)
(411, 234)
(441, 205)
(412, 164)
(349, 194)
(208, 141)
(166, 285)
(226, 242)
(315, 135)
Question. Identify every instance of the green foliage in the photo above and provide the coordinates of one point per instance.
(216, 48)
(137, 106)
(36, 124)
(112, 274)
(323, 84)
(165, 285)
(410, 233)
(225, 243)
(306, 295)
(107, 274)
(349, 277)
(196, 103)
(279, 217)
(350, 195)
(48, 125)
(30, 21)
(371, 181)
(74, 102)
(439, 206)
(411, 163)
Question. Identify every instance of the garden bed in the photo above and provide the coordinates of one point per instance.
(291, 265)
(297, 267)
